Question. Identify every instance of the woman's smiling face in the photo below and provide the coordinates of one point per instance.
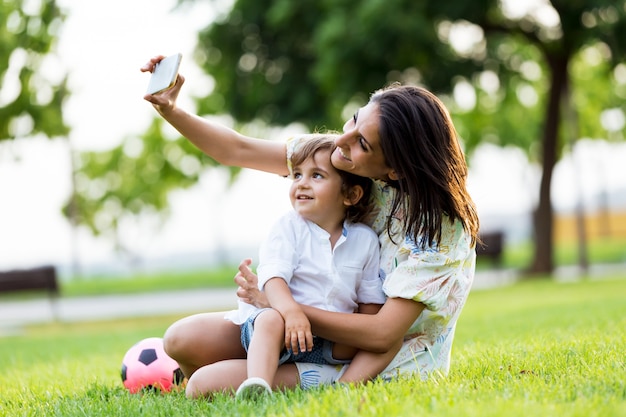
(358, 148)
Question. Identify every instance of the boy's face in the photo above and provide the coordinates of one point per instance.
(316, 193)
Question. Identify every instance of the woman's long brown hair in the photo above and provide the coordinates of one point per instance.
(420, 143)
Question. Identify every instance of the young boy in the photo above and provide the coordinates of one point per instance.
(317, 255)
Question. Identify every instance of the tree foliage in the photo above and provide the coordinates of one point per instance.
(118, 190)
(284, 61)
(31, 96)
(506, 78)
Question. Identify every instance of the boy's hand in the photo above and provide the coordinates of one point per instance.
(298, 336)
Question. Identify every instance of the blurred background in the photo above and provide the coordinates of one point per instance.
(94, 183)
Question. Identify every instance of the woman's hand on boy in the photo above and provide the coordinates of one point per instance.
(248, 283)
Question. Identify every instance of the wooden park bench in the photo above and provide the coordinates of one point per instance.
(491, 246)
(36, 279)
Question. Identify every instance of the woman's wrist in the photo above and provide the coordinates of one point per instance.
(171, 113)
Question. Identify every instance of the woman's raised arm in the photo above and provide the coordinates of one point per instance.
(221, 143)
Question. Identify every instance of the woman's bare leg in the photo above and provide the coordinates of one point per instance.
(367, 365)
(202, 339)
(219, 377)
(226, 376)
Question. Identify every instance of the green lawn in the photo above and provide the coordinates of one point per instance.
(605, 250)
(138, 283)
(535, 348)
(515, 257)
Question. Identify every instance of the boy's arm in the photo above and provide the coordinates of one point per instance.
(298, 336)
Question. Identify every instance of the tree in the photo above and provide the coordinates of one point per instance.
(283, 61)
(123, 192)
(505, 77)
(119, 190)
(577, 30)
(31, 97)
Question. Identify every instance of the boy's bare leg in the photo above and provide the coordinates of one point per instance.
(267, 342)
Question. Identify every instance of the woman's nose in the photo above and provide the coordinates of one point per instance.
(343, 140)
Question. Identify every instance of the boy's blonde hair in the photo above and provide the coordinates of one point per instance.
(313, 143)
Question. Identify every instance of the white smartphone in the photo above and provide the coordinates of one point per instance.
(164, 74)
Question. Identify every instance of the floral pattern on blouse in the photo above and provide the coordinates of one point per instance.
(439, 276)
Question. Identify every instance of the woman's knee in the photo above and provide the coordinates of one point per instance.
(181, 337)
(196, 389)
(222, 377)
(192, 391)
(174, 338)
(202, 339)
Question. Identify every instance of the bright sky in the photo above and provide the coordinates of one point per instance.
(103, 44)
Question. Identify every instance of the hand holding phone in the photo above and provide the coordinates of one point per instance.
(164, 74)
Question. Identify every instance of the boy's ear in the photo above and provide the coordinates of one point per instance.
(354, 195)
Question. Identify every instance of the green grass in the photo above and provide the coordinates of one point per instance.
(607, 250)
(219, 277)
(535, 348)
(138, 283)
(517, 257)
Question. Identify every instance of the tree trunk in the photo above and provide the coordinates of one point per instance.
(573, 135)
(543, 216)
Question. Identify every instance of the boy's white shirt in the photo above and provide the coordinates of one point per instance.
(333, 279)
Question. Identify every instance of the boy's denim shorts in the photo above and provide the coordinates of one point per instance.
(322, 352)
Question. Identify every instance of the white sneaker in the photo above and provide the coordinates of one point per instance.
(253, 388)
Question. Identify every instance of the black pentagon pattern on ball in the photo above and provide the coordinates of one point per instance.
(123, 372)
(147, 356)
(178, 376)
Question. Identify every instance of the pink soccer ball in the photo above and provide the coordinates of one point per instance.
(147, 366)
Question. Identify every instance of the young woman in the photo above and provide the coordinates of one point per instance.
(425, 219)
